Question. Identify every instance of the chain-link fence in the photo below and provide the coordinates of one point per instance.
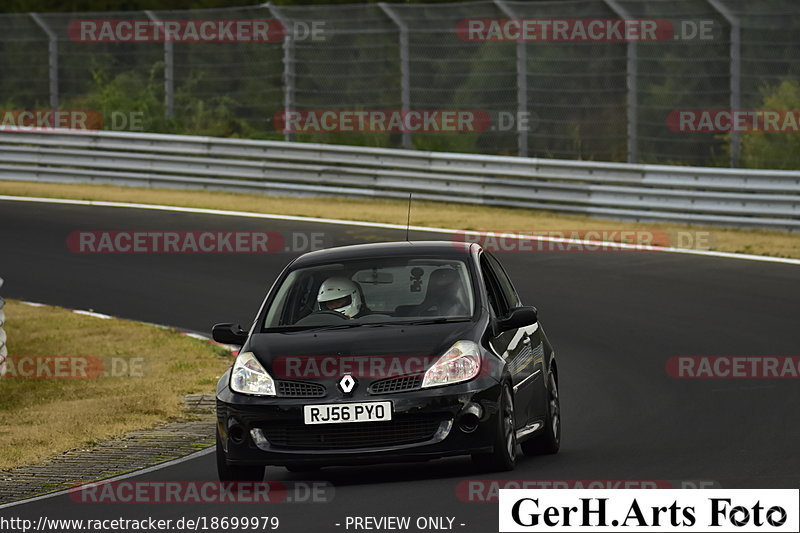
(544, 78)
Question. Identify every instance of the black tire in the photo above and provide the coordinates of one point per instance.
(550, 440)
(504, 456)
(227, 472)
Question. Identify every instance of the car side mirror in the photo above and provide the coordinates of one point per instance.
(229, 334)
(518, 317)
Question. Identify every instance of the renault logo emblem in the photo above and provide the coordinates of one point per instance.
(347, 383)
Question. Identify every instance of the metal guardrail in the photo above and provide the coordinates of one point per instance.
(695, 195)
(3, 347)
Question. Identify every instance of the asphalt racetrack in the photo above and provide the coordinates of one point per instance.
(614, 318)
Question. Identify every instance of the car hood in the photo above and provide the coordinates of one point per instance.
(369, 352)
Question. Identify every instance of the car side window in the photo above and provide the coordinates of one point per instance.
(510, 294)
(496, 298)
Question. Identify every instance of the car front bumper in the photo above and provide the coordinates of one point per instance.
(426, 424)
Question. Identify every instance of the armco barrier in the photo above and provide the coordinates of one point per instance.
(694, 195)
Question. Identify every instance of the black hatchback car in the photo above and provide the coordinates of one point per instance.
(403, 351)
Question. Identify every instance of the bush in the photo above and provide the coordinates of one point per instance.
(780, 150)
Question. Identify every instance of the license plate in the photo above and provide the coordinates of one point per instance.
(342, 413)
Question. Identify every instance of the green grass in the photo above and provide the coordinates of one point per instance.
(42, 417)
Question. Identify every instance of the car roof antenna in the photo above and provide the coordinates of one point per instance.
(408, 220)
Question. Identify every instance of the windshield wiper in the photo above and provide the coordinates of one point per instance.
(347, 325)
(438, 320)
(302, 329)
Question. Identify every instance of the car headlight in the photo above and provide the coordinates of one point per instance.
(461, 362)
(249, 377)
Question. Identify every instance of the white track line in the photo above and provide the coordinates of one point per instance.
(92, 314)
(243, 214)
(185, 333)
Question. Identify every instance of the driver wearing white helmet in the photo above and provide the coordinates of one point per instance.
(341, 295)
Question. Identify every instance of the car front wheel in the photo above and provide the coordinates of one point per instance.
(550, 440)
(503, 458)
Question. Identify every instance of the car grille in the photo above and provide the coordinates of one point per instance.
(300, 389)
(400, 384)
(406, 430)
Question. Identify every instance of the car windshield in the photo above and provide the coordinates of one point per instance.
(372, 291)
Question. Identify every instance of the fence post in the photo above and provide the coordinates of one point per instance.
(632, 72)
(3, 348)
(288, 66)
(169, 76)
(405, 69)
(735, 73)
(522, 84)
(52, 61)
